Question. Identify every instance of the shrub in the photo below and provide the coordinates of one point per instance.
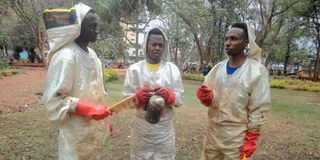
(193, 76)
(110, 75)
(15, 71)
(295, 84)
(3, 63)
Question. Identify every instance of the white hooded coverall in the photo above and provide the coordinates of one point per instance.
(241, 101)
(153, 141)
(74, 74)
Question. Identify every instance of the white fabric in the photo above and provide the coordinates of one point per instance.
(241, 101)
(74, 74)
(153, 141)
(60, 36)
(254, 49)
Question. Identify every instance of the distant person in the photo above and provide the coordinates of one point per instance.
(32, 55)
(11, 61)
(10, 52)
(24, 55)
(237, 94)
(2, 51)
(300, 74)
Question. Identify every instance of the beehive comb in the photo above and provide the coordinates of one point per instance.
(123, 104)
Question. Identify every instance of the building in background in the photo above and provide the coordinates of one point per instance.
(130, 38)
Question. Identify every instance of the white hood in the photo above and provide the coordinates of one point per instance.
(166, 54)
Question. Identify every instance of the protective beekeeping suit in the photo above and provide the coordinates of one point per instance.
(74, 91)
(238, 101)
(154, 76)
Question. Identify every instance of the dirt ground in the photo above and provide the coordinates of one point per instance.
(25, 129)
(20, 92)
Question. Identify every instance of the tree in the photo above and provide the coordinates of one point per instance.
(310, 17)
(31, 15)
(272, 16)
(181, 41)
(134, 12)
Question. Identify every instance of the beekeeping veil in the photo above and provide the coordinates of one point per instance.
(62, 31)
(166, 53)
(254, 49)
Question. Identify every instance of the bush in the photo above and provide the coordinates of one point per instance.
(110, 75)
(193, 76)
(3, 63)
(15, 71)
(295, 84)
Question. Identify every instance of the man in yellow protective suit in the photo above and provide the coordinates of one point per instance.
(74, 91)
(154, 75)
(237, 93)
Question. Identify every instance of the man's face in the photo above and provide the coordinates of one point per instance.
(89, 28)
(235, 41)
(155, 48)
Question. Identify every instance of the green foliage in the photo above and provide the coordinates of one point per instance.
(110, 75)
(22, 35)
(193, 76)
(15, 71)
(111, 47)
(3, 63)
(295, 84)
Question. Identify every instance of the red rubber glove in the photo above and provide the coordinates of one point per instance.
(250, 144)
(204, 94)
(143, 95)
(166, 94)
(96, 112)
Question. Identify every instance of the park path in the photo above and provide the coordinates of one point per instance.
(18, 92)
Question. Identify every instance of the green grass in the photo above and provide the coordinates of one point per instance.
(300, 107)
(29, 135)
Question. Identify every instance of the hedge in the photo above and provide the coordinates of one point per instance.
(294, 84)
(110, 75)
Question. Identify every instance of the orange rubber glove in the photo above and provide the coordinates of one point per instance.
(166, 94)
(204, 94)
(250, 143)
(143, 95)
(96, 112)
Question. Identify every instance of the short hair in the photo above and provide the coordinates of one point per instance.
(155, 31)
(243, 26)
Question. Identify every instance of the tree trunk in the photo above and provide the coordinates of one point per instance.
(286, 59)
(197, 40)
(273, 43)
(315, 74)
(194, 32)
(176, 55)
(316, 70)
(209, 50)
(40, 44)
(137, 39)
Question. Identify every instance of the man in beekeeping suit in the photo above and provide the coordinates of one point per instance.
(237, 93)
(74, 91)
(154, 75)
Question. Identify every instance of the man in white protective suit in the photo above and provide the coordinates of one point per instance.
(74, 91)
(154, 75)
(237, 93)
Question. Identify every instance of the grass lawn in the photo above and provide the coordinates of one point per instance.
(292, 130)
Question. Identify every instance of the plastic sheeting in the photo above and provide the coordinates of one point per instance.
(241, 102)
(153, 141)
